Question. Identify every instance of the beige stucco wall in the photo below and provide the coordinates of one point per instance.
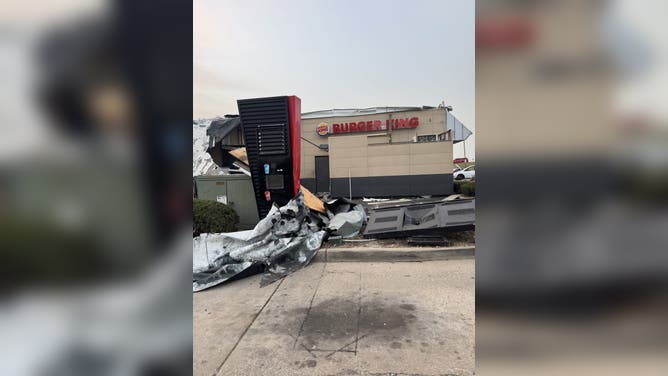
(354, 155)
(562, 115)
(309, 152)
(379, 153)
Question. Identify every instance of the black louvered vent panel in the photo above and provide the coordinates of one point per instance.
(252, 155)
(272, 139)
(262, 111)
(266, 132)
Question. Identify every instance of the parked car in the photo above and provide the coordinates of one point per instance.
(465, 173)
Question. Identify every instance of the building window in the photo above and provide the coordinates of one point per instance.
(426, 138)
(445, 136)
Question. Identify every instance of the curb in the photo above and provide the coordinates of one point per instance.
(414, 254)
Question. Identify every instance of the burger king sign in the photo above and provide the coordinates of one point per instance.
(322, 129)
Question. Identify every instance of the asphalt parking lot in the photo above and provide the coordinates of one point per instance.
(344, 318)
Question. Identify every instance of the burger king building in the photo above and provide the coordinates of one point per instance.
(380, 152)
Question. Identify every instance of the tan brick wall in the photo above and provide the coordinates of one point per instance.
(355, 150)
(353, 155)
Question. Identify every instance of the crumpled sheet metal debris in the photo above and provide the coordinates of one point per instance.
(348, 224)
(285, 240)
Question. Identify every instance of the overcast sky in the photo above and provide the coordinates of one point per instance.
(335, 54)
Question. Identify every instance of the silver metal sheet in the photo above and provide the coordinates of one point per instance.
(420, 217)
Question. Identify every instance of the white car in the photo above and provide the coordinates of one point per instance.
(466, 173)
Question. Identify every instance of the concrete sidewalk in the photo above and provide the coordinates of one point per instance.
(414, 318)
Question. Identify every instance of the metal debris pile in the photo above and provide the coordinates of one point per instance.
(433, 217)
(285, 240)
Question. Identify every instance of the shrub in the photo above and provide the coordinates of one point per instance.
(212, 217)
(38, 252)
(465, 188)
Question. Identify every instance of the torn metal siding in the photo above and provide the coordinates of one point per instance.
(420, 218)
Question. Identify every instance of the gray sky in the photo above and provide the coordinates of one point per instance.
(336, 54)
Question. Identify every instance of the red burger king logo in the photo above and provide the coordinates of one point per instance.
(323, 129)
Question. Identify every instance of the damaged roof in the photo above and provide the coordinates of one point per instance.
(222, 127)
(358, 111)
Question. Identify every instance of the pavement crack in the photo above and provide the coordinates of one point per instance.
(359, 310)
(341, 349)
(249, 325)
(308, 311)
(309, 350)
(330, 350)
(302, 345)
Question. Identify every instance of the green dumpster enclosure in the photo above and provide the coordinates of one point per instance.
(233, 190)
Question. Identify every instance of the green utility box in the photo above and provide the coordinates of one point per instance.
(233, 190)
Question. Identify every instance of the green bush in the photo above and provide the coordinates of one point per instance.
(212, 217)
(38, 252)
(465, 188)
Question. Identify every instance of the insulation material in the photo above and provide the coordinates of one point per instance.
(313, 202)
(240, 154)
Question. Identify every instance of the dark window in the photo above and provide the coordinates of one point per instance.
(445, 136)
(426, 138)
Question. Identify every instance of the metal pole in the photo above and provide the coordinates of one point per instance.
(350, 186)
(464, 145)
(389, 128)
